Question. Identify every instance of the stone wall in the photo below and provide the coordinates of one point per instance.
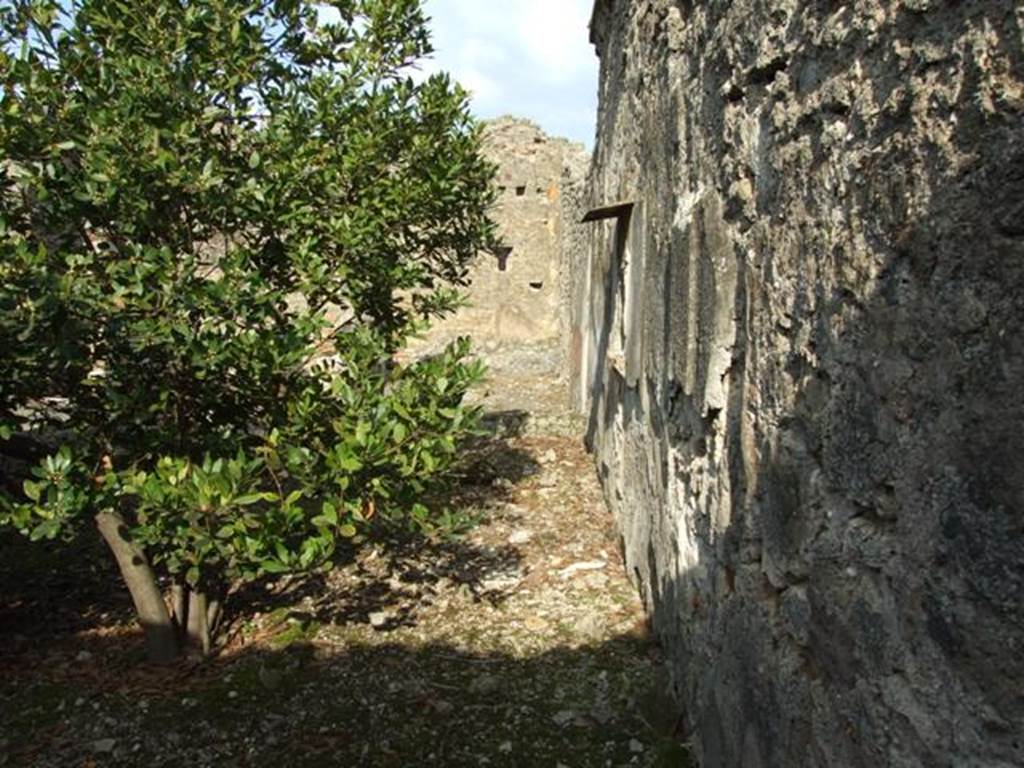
(515, 296)
(801, 354)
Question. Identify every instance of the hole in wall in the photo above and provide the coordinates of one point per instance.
(520, 191)
(536, 284)
(502, 190)
(501, 254)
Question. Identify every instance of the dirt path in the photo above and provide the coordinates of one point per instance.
(520, 644)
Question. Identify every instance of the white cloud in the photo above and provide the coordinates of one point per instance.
(480, 86)
(554, 36)
(525, 57)
(530, 58)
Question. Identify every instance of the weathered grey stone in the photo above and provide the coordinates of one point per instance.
(801, 357)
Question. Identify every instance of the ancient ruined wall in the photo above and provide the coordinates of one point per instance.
(513, 315)
(802, 358)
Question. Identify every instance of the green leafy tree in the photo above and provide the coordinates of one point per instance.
(219, 223)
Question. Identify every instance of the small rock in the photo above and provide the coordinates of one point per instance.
(635, 746)
(592, 565)
(522, 536)
(232, 694)
(564, 717)
(535, 623)
(83, 656)
(270, 678)
(590, 626)
(602, 712)
(104, 746)
(500, 582)
(378, 619)
(443, 707)
(485, 685)
(506, 747)
(549, 457)
(414, 689)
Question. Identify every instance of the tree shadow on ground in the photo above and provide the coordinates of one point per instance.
(50, 590)
(402, 571)
(513, 422)
(365, 704)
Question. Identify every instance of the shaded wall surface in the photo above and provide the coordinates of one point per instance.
(801, 354)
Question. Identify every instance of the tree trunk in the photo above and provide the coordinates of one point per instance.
(198, 626)
(214, 612)
(161, 643)
(179, 609)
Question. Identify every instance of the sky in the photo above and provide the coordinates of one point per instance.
(528, 58)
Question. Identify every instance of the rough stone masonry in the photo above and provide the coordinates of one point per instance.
(516, 294)
(797, 335)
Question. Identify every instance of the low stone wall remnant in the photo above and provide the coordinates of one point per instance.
(515, 294)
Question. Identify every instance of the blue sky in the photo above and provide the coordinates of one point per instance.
(529, 58)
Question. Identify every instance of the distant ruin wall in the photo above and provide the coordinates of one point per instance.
(801, 353)
(515, 295)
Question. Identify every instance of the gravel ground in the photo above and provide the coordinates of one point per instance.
(521, 643)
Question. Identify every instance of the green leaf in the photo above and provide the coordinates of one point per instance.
(48, 529)
(350, 463)
(32, 490)
(330, 513)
